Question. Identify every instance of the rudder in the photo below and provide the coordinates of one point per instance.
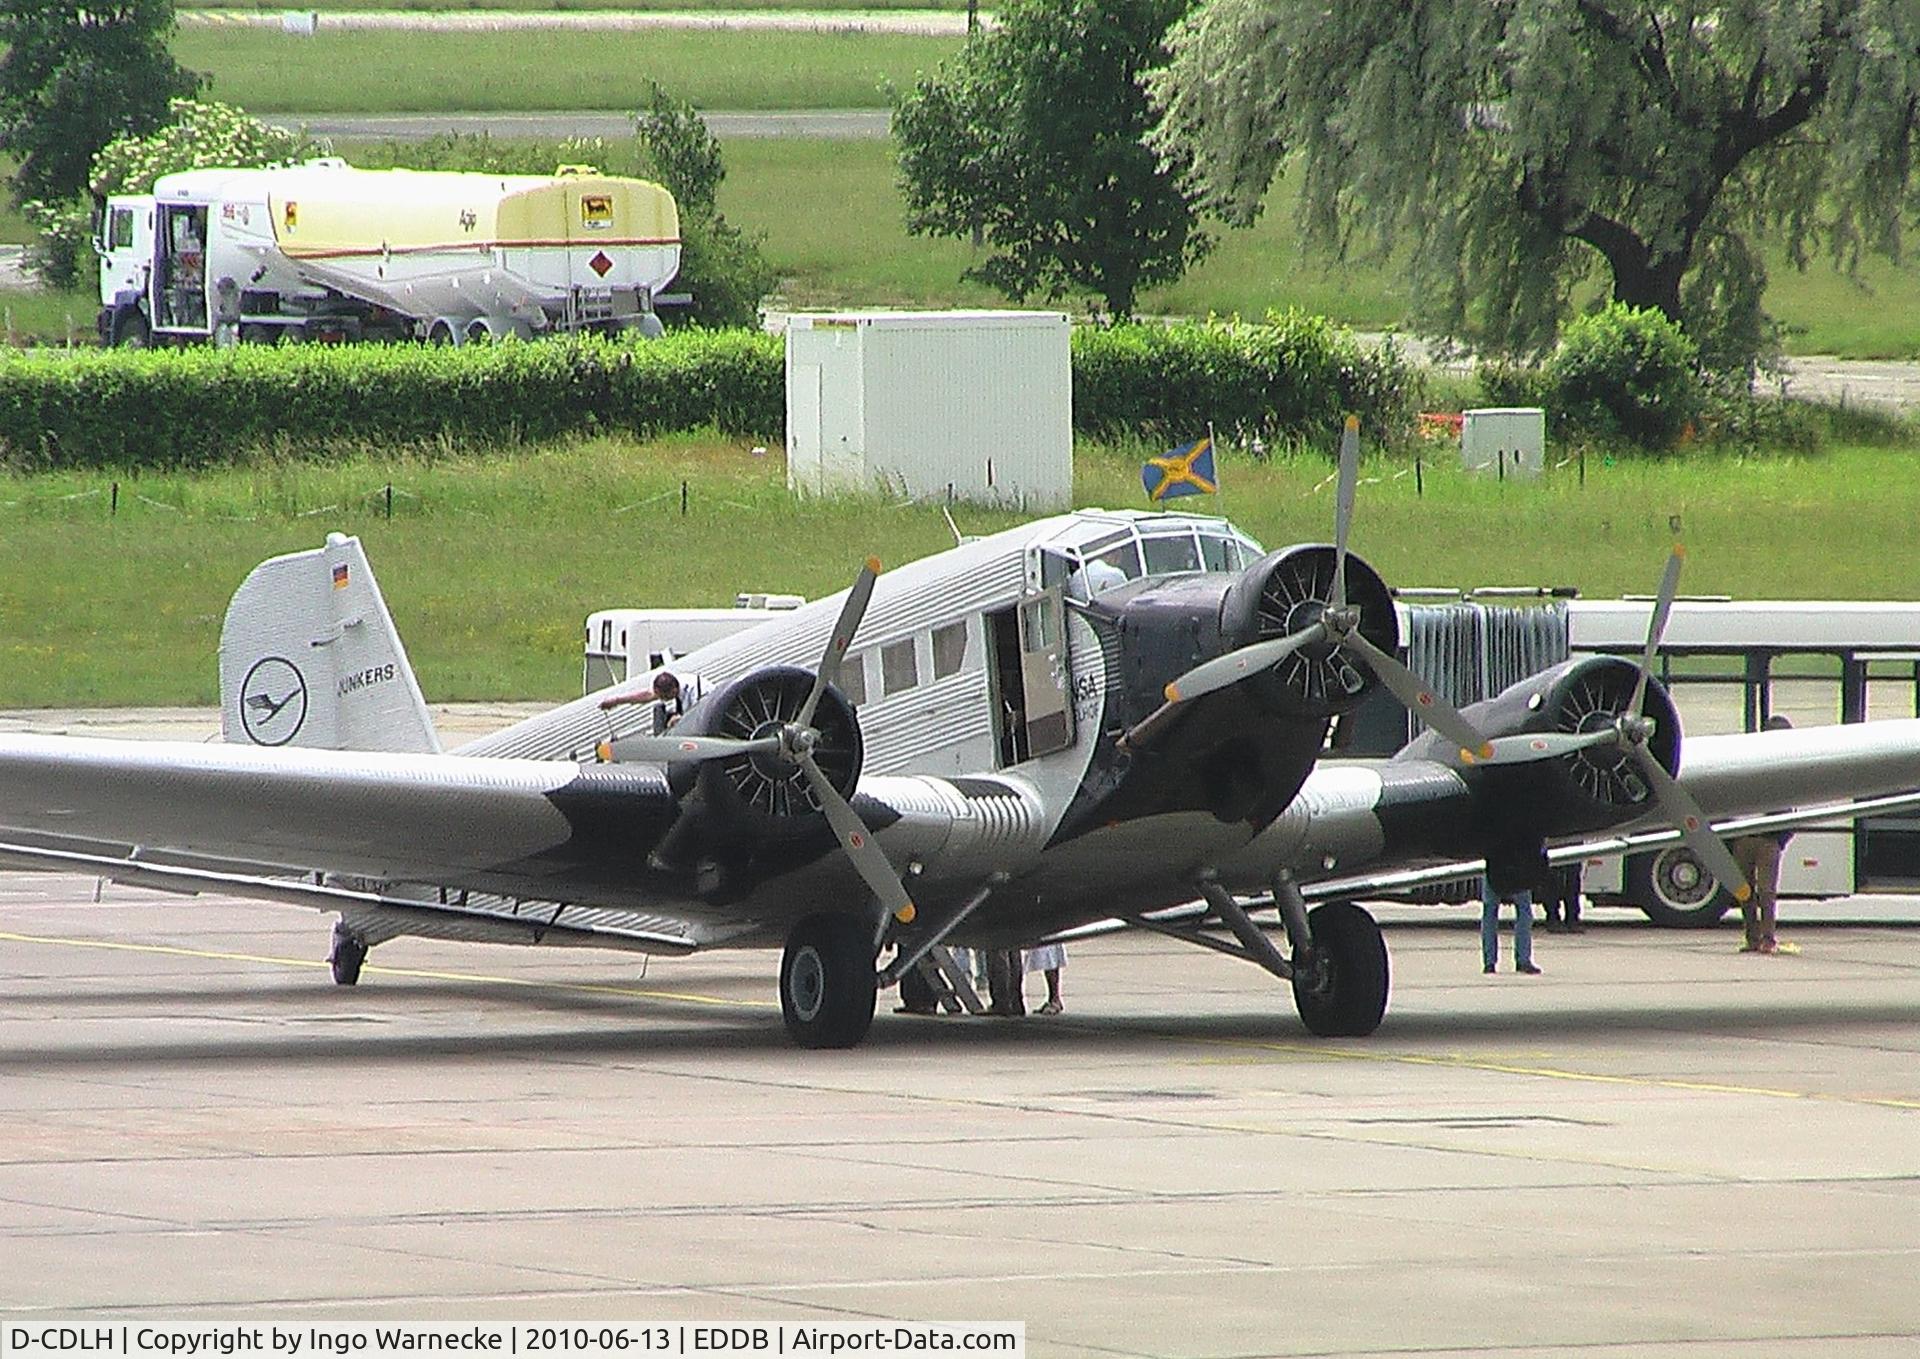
(309, 656)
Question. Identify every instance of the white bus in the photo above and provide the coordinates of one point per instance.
(1730, 665)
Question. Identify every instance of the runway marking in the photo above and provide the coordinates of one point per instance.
(1459, 1063)
(589, 988)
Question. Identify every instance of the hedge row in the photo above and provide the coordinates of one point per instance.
(1293, 377)
(185, 407)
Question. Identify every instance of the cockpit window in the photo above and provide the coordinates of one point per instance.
(1220, 554)
(1167, 554)
(1122, 557)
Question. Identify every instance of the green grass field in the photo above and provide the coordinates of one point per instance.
(492, 563)
(389, 71)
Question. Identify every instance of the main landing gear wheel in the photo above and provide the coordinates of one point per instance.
(827, 986)
(349, 951)
(1342, 993)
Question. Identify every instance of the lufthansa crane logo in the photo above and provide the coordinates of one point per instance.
(273, 702)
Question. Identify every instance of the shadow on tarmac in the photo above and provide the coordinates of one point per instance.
(313, 1038)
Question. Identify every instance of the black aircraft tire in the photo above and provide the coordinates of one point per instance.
(346, 956)
(827, 988)
(1675, 891)
(1345, 996)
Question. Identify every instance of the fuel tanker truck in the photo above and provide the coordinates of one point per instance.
(323, 251)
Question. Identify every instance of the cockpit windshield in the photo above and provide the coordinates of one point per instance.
(1126, 547)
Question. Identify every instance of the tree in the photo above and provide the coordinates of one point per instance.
(76, 74)
(196, 134)
(1512, 149)
(721, 264)
(1032, 137)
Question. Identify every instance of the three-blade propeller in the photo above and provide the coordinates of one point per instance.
(793, 744)
(1338, 626)
(1629, 733)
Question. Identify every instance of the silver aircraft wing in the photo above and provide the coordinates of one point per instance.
(522, 827)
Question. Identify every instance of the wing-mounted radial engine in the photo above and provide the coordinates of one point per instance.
(1591, 756)
(1564, 744)
(759, 787)
(758, 761)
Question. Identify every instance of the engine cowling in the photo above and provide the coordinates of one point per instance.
(1588, 789)
(1284, 593)
(765, 792)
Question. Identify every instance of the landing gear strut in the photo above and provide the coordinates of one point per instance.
(827, 981)
(349, 951)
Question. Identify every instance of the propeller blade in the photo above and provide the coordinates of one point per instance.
(1235, 666)
(854, 837)
(840, 638)
(669, 748)
(1547, 745)
(1417, 695)
(1343, 506)
(1657, 625)
(1691, 822)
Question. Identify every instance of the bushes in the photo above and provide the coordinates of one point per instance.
(1621, 375)
(1293, 377)
(171, 408)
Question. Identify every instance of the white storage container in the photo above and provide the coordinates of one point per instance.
(976, 405)
(1505, 440)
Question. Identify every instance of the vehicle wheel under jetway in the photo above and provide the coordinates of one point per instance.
(827, 989)
(1675, 889)
(1343, 994)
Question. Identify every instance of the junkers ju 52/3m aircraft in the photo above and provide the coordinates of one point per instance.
(1092, 716)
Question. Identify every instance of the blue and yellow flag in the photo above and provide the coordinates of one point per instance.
(1187, 470)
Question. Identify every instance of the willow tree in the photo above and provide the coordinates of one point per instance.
(1511, 150)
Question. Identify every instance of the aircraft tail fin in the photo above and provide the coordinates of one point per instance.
(309, 657)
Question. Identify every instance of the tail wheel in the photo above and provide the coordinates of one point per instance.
(1343, 992)
(827, 986)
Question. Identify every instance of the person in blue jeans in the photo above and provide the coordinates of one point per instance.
(1510, 879)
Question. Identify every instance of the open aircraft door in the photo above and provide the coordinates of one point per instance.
(1043, 674)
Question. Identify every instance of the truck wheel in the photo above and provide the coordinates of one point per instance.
(1675, 890)
(130, 330)
(443, 332)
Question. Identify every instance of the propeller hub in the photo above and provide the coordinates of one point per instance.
(777, 764)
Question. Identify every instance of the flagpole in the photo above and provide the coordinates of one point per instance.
(1219, 481)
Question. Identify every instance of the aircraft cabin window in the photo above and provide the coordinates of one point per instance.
(1167, 554)
(949, 649)
(899, 670)
(853, 679)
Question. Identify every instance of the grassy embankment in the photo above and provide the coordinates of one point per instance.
(492, 563)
